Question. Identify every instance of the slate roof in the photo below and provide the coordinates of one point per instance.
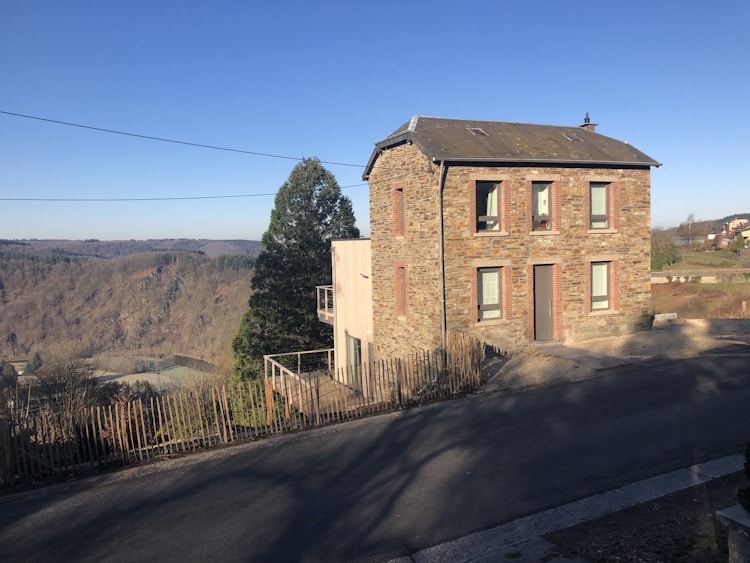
(470, 141)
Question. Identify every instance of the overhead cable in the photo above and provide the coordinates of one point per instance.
(120, 199)
(175, 141)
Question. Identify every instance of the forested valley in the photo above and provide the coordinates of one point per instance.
(154, 302)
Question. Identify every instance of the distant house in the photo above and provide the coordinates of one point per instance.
(736, 224)
(514, 233)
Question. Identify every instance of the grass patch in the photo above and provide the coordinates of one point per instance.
(732, 287)
(702, 301)
(718, 259)
(173, 378)
(162, 373)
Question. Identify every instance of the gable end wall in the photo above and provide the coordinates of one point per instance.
(406, 168)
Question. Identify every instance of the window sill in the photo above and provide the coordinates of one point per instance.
(492, 322)
(543, 233)
(603, 313)
(602, 231)
(491, 233)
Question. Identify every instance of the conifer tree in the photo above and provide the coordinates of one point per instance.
(309, 212)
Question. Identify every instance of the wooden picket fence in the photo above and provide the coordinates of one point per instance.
(310, 385)
(41, 445)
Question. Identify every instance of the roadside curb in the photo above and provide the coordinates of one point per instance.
(521, 539)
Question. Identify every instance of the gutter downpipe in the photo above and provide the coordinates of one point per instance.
(441, 255)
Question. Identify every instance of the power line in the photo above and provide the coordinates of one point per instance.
(121, 199)
(105, 199)
(164, 140)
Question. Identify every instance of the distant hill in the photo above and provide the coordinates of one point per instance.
(187, 301)
(730, 218)
(119, 248)
(705, 226)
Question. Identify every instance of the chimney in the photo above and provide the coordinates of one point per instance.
(587, 124)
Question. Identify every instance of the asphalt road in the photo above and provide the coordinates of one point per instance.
(379, 488)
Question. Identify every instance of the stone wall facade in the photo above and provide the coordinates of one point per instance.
(415, 249)
(569, 245)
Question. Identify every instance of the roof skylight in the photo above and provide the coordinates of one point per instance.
(572, 137)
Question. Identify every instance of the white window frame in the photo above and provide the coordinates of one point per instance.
(599, 220)
(541, 221)
(353, 352)
(489, 300)
(488, 200)
(601, 286)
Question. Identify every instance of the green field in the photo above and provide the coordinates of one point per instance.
(170, 378)
(717, 259)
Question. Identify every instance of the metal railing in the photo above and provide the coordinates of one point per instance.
(294, 364)
(325, 303)
(292, 375)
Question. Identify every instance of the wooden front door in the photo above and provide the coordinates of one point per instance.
(543, 310)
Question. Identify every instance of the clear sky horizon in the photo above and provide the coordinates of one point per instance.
(329, 79)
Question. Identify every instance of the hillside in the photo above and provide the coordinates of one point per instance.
(159, 302)
(119, 248)
(702, 227)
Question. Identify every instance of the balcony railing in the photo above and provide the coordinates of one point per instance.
(299, 376)
(325, 303)
(296, 363)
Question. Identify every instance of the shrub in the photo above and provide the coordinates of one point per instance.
(66, 386)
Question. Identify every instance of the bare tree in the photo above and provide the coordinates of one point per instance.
(66, 387)
(686, 228)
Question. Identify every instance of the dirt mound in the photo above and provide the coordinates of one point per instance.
(672, 339)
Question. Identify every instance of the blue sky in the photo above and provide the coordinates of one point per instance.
(329, 79)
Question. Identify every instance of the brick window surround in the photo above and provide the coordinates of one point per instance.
(489, 293)
(504, 289)
(489, 205)
(400, 277)
(543, 206)
(399, 210)
(595, 223)
(597, 303)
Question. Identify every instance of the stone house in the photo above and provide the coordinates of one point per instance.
(735, 224)
(515, 233)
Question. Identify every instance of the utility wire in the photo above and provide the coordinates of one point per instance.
(162, 139)
(176, 198)
(104, 199)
